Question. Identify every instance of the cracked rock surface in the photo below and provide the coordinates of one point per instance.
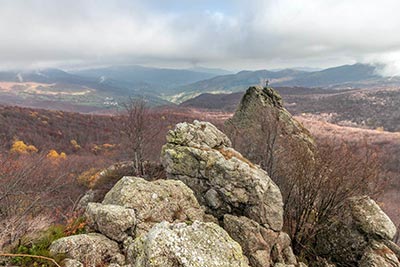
(239, 193)
(222, 179)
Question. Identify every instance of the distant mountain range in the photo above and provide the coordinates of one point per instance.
(109, 86)
(98, 88)
(158, 80)
(342, 77)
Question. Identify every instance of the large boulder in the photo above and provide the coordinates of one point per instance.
(370, 218)
(115, 222)
(154, 202)
(359, 236)
(90, 249)
(187, 245)
(223, 180)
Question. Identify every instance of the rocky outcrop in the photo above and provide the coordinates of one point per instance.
(267, 103)
(359, 236)
(223, 180)
(144, 223)
(154, 202)
(198, 244)
(240, 194)
(161, 223)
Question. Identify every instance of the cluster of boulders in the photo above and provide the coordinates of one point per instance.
(216, 208)
(154, 224)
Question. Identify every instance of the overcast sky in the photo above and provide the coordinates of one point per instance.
(232, 34)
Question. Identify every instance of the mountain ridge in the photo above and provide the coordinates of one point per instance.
(341, 77)
(162, 86)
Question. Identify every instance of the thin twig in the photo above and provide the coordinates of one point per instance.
(29, 256)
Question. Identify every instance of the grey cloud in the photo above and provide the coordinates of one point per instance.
(232, 34)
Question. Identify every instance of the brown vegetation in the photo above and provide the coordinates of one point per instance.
(387, 147)
(43, 153)
(35, 192)
(32, 184)
(314, 183)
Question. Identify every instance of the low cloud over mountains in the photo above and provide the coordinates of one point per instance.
(231, 34)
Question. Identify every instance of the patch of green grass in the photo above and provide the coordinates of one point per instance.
(39, 247)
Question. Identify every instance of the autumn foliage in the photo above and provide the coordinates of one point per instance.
(19, 147)
(48, 159)
(54, 155)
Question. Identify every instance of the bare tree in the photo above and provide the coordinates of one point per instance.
(140, 130)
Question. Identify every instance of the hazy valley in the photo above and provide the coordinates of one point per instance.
(104, 88)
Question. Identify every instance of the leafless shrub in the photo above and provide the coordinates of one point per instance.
(314, 184)
(31, 188)
(17, 226)
(314, 190)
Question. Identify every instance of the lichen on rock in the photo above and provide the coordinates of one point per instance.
(378, 255)
(264, 247)
(115, 222)
(221, 177)
(370, 218)
(154, 202)
(188, 245)
(90, 249)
